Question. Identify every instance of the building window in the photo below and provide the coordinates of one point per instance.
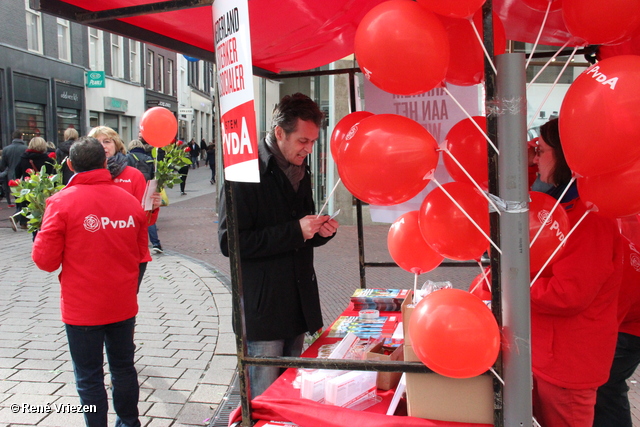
(64, 40)
(30, 120)
(170, 77)
(149, 76)
(160, 84)
(34, 29)
(117, 68)
(96, 53)
(134, 61)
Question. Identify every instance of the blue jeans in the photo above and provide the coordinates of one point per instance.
(261, 377)
(153, 235)
(85, 346)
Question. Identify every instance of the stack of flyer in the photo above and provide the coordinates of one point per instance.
(378, 299)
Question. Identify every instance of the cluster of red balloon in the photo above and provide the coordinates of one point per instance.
(600, 131)
(408, 48)
(403, 47)
(158, 127)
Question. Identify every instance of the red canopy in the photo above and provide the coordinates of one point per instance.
(287, 35)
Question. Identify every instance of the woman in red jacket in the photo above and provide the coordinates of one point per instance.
(125, 176)
(573, 303)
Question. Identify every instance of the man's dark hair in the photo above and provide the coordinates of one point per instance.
(87, 154)
(294, 107)
(550, 132)
(17, 134)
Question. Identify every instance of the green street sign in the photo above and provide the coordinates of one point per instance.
(95, 79)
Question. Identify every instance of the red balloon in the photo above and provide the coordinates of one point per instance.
(553, 234)
(466, 62)
(341, 129)
(402, 48)
(447, 230)
(479, 286)
(599, 125)
(454, 333)
(452, 8)
(387, 159)
(616, 194)
(601, 22)
(629, 47)
(158, 126)
(542, 5)
(408, 248)
(469, 147)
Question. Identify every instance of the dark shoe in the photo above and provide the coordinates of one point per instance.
(183, 193)
(157, 249)
(212, 182)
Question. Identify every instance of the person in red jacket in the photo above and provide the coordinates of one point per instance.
(125, 176)
(573, 303)
(97, 232)
(612, 404)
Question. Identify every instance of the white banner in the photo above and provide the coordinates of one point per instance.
(438, 113)
(235, 82)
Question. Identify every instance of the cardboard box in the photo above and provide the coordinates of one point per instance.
(386, 380)
(436, 397)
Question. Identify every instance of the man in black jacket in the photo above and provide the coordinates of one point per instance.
(277, 231)
(10, 159)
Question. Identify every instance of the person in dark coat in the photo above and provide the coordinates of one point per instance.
(10, 158)
(277, 231)
(62, 152)
(34, 158)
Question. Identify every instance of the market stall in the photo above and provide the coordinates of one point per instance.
(321, 32)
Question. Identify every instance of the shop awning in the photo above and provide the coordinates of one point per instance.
(287, 35)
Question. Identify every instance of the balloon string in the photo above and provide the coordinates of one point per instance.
(544, 22)
(472, 121)
(547, 64)
(329, 197)
(473, 181)
(555, 83)
(485, 277)
(493, 371)
(484, 48)
(547, 220)
(502, 381)
(415, 285)
(560, 245)
(467, 215)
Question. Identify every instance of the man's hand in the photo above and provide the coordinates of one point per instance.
(311, 225)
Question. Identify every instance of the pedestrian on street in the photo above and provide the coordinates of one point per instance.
(194, 153)
(211, 158)
(278, 231)
(11, 155)
(93, 220)
(125, 176)
(62, 152)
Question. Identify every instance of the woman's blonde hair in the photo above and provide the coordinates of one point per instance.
(38, 144)
(109, 133)
(135, 143)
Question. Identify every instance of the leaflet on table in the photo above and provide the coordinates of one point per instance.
(380, 299)
(363, 328)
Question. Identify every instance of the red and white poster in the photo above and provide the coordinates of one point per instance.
(438, 113)
(235, 83)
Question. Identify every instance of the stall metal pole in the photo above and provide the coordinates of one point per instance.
(490, 79)
(237, 300)
(514, 228)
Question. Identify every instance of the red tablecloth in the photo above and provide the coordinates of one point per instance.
(282, 402)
